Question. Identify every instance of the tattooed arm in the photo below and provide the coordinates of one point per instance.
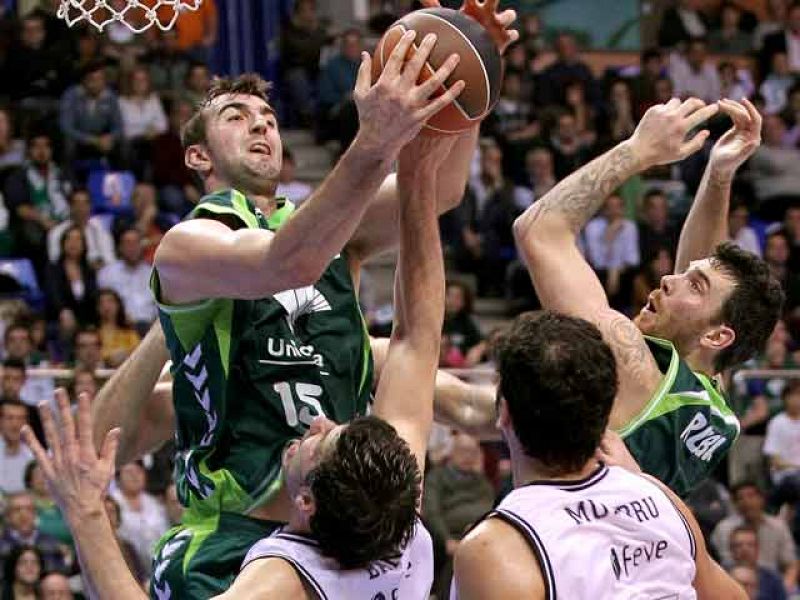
(707, 223)
(564, 281)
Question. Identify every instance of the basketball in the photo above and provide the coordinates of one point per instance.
(480, 66)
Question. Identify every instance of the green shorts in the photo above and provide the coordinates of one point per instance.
(200, 559)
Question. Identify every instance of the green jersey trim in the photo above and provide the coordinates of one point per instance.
(235, 205)
(663, 387)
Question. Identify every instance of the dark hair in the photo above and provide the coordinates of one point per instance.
(122, 319)
(744, 484)
(10, 567)
(651, 53)
(366, 493)
(469, 297)
(28, 477)
(78, 191)
(8, 401)
(14, 363)
(250, 84)
(13, 327)
(791, 387)
(90, 329)
(63, 242)
(117, 510)
(91, 67)
(559, 379)
(752, 308)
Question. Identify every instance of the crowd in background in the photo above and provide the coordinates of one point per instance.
(92, 176)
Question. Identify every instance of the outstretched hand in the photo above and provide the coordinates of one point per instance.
(661, 136)
(496, 24)
(77, 477)
(740, 141)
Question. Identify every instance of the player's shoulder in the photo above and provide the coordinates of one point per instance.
(269, 577)
(494, 556)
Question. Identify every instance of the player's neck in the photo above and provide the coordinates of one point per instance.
(526, 470)
(698, 361)
(265, 201)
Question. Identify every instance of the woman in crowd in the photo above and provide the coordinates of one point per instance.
(21, 574)
(118, 337)
(71, 284)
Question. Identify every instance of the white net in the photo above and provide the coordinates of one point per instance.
(138, 15)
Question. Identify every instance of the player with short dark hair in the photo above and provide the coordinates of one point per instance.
(574, 527)
(716, 311)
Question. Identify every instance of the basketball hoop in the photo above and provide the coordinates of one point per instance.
(137, 15)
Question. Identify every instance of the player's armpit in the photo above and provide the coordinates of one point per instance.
(267, 578)
(494, 561)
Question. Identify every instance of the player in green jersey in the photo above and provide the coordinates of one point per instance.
(716, 311)
(258, 304)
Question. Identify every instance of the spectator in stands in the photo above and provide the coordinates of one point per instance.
(118, 338)
(34, 74)
(13, 379)
(568, 67)
(36, 194)
(197, 31)
(744, 551)
(198, 79)
(695, 75)
(459, 323)
(740, 232)
(21, 573)
(83, 382)
(71, 283)
(457, 494)
(302, 39)
(682, 23)
(655, 230)
(570, 151)
(14, 456)
(784, 41)
(782, 447)
(710, 502)
(129, 276)
(289, 187)
(49, 519)
(168, 65)
(791, 116)
(733, 86)
(619, 111)
(776, 86)
(146, 219)
(12, 150)
(99, 244)
(143, 117)
(338, 119)
(55, 586)
(88, 349)
(729, 38)
(89, 47)
(658, 265)
(612, 248)
(584, 113)
(776, 253)
(90, 119)
(176, 185)
(173, 505)
(532, 37)
(21, 530)
(776, 547)
(773, 21)
(488, 212)
(664, 91)
(144, 519)
(114, 513)
(651, 69)
(541, 176)
(791, 228)
(775, 169)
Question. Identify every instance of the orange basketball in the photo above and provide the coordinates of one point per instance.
(481, 66)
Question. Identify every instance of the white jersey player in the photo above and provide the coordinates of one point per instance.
(573, 527)
(407, 576)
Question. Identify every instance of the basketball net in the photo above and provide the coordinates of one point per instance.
(137, 15)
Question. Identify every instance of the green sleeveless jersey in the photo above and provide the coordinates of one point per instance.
(685, 429)
(250, 375)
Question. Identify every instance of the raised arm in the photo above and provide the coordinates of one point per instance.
(546, 233)
(253, 263)
(405, 391)
(706, 225)
(378, 231)
(133, 401)
(78, 479)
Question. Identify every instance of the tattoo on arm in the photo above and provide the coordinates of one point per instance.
(580, 196)
(629, 347)
(719, 181)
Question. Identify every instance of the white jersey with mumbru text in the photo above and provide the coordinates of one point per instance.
(614, 535)
(408, 578)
